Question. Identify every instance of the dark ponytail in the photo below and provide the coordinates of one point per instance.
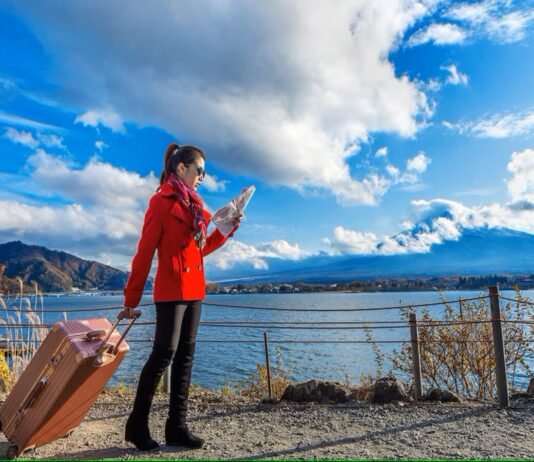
(175, 154)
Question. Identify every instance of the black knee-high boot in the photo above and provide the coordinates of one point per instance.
(137, 431)
(176, 431)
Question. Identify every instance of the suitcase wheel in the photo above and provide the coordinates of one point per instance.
(12, 452)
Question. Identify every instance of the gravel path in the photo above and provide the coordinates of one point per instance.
(243, 428)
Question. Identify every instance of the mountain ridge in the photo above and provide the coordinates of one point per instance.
(55, 270)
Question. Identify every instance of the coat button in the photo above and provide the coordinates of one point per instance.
(186, 269)
(183, 246)
(199, 267)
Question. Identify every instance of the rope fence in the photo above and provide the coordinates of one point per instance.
(335, 325)
(272, 308)
(495, 319)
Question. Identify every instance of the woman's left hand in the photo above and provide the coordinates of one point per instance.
(237, 221)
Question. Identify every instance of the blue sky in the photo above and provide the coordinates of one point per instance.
(359, 122)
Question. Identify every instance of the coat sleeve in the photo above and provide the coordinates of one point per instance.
(142, 261)
(215, 240)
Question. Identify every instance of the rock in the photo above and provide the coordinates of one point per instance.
(361, 393)
(444, 396)
(314, 391)
(530, 389)
(388, 389)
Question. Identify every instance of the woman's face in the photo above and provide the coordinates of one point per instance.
(192, 174)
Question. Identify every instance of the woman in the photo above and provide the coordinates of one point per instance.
(176, 225)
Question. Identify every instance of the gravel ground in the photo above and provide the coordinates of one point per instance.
(237, 427)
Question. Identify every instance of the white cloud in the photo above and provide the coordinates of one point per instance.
(97, 184)
(18, 121)
(521, 185)
(96, 211)
(382, 152)
(89, 210)
(419, 163)
(313, 78)
(27, 139)
(455, 77)
(439, 34)
(101, 145)
(104, 117)
(438, 220)
(211, 183)
(393, 171)
(234, 252)
(497, 125)
(348, 241)
(51, 141)
(22, 137)
(496, 20)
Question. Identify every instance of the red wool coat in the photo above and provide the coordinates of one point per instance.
(168, 227)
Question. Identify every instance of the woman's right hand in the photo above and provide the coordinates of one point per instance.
(129, 313)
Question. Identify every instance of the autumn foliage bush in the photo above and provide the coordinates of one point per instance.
(457, 353)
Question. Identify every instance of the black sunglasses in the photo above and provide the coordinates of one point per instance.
(200, 171)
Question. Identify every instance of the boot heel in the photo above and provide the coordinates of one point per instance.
(180, 435)
(137, 433)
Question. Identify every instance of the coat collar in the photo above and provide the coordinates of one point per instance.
(166, 189)
(178, 209)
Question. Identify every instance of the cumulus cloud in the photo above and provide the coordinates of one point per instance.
(455, 77)
(98, 184)
(439, 34)
(418, 163)
(382, 152)
(104, 117)
(238, 252)
(313, 79)
(211, 183)
(348, 241)
(86, 210)
(96, 211)
(438, 220)
(497, 125)
(521, 185)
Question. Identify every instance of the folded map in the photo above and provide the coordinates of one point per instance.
(224, 218)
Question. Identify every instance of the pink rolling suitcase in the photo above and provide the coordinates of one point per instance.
(62, 381)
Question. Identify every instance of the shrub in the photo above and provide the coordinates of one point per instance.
(459, 357)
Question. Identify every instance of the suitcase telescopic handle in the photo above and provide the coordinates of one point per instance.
(123, 314)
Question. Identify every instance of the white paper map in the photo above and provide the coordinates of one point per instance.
(223, 218)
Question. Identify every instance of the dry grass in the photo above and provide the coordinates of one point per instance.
(460, 357)
(20, 342)
(256, 384)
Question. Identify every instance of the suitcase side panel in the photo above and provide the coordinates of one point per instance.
(73, 383)
(79, 395)
(52, 348)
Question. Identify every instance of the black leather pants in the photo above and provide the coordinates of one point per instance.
(176, 331)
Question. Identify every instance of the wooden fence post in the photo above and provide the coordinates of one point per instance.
(416, 358)
(268, 365)
(167, 380)
(460, 303)
(498, 347)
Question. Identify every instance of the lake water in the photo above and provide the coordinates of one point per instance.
(217, 363)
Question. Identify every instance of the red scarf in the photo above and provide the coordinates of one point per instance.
(192, 200)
